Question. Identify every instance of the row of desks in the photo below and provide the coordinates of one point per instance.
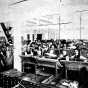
(71, 65)
(42, 61)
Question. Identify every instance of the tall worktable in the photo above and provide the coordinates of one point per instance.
(74, 65)
(42, 61)
(39, 61)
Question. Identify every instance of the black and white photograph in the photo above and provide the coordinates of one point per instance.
(43, 44)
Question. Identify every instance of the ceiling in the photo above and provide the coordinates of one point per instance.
(36, 8)
(29, 9)
(71, 2)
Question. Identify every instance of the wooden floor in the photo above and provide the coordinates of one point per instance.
(6, 79)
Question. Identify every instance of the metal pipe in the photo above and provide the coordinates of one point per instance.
(80, 26)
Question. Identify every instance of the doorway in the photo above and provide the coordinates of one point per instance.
(39, 37)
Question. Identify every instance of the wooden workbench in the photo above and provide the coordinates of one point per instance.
(74, 65)
(39, 60)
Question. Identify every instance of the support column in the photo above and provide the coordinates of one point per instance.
(17, 49)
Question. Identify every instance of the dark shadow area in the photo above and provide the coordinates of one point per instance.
(83, 78)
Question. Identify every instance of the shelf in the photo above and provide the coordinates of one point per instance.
(46, 65)
(29, 63)
(39, 72)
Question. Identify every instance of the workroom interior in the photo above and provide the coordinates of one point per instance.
(43, 44)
